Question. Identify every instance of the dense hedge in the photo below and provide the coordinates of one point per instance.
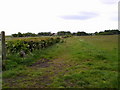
(16, 46)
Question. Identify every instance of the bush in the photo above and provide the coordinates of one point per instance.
(16, 46)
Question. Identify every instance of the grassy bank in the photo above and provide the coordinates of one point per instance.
(79, 62)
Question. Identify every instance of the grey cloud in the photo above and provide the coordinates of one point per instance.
(80, 16)
(114, 18)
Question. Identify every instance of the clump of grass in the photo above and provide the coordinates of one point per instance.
(88, 79)
(100, 57)
(15, 72)
(21, 71)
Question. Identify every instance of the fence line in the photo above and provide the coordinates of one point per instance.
(3, 45)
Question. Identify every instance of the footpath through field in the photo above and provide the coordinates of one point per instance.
(78, 62)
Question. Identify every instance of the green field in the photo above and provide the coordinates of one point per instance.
(78, 62)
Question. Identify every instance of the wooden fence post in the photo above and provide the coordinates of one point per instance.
(3, 45)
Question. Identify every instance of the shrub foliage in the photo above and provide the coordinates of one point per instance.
(28, 45)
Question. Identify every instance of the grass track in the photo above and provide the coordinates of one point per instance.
(79, 62)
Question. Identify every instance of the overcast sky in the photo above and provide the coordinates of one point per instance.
(58, 15)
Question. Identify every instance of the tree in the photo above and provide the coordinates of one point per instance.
(14, 35)
(81, 33)
(19, 34)
(62, 33)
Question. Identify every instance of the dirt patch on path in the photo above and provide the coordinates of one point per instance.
(41, 63)
(52, 68)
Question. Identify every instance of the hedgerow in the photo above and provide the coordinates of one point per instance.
(29, 45)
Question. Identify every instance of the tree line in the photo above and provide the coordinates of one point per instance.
(108, 32)
(63, 33)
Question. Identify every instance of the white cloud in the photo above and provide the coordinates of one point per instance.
(109, 1)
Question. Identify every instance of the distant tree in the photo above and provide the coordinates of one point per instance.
(20, 34)
(61, 33)
(81, 33)
(74, 34)
(33, 35)
(109, 32)
(44, 34)
(14, 35)
(96, 33)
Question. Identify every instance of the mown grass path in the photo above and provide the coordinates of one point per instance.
(79, 62)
